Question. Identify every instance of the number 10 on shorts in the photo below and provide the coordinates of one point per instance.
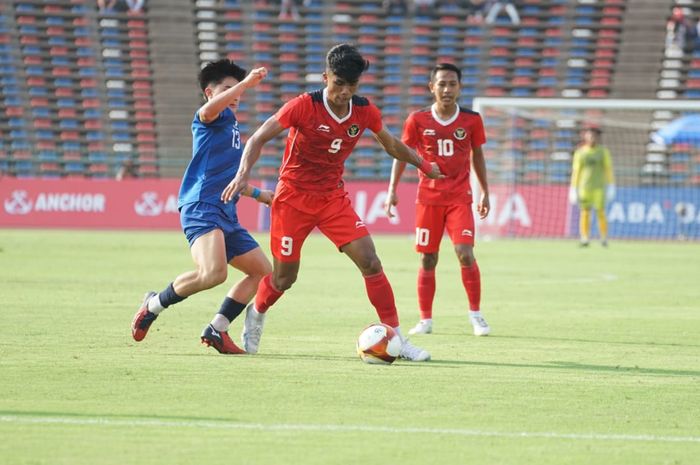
(422, 236)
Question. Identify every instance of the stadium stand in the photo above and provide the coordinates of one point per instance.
(82, 90)
(679, 78)
(124, 48)
(560, 49)
(75, 85)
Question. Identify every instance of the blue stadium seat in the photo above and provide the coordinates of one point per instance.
(68, 124)
(45, 134)
(66, 103)
(94, 136)
(47, 155)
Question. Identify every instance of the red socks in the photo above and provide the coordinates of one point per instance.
(267, 295)
(426, 293)
(471, 278)
(378, 290)
(382, 297)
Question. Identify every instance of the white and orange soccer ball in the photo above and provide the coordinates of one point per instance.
(378, 344)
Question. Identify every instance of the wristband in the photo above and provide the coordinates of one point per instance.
(425, 166)
(256, 193)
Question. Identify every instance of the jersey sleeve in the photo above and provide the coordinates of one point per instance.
(478, 132)
(374, 119)
(219, 120)
(409, 136)
(292, 112)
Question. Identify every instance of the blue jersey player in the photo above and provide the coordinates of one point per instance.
(211, 226)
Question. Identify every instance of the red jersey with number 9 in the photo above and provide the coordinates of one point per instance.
(449, 144)
(319, 142)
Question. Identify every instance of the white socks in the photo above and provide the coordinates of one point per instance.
(220, 323)
(154, 305)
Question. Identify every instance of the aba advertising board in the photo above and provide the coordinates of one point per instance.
(651, 213)
(516, 211)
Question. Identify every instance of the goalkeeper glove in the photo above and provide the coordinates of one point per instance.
(573, 195)
(610, 192)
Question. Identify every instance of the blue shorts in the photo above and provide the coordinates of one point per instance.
(199, 218)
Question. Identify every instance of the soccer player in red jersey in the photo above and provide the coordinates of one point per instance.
(452, 137)
(325, 126)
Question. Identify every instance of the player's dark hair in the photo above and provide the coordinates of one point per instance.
(445, 67)
(216, 71)
(345, 61)
(594, 129)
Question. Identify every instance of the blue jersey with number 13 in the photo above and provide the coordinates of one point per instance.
(216, 154)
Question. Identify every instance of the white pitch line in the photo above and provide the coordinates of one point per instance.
(292, 427)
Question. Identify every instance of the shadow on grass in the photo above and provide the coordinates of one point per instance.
(635, 370)
(591, 341)
(270, 356)
(442, 363)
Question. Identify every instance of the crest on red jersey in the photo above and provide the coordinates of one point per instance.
(460, 133)
(353, 130)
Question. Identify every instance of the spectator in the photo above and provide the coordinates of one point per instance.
(501, 5)
(135, 6)
(289, 8)
(676, 30)
(694, 35)
(475, 11)
(127, 170)
(424, 7)
(106, 6)
(394, 7)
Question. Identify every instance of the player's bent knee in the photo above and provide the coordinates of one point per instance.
(212, 277)
(265, 270)
(466, 259)
(282, 283)
(429, 261)
(370, 265)
(465, 256)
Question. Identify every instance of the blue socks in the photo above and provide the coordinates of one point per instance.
(168, 297)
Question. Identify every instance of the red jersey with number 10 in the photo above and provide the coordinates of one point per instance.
(319, 142)
(449, 144)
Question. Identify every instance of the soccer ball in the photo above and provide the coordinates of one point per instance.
(378, 344)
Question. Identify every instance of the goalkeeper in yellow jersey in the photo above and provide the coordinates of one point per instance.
(592, 184)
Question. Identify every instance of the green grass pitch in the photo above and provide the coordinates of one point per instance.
(594, 358)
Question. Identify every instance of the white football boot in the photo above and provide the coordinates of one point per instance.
(413, 353)
(252, 329)
(481, 328)
(423, 327)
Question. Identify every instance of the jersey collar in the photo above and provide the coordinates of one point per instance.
(330, 112)
(443, 122)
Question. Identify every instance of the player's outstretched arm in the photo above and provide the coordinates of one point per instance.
(214, 106)
(401, 152)
(392, 199)
(251, 153)
(479, 164)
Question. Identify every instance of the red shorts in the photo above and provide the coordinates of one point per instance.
(432, 220)
(294, 214)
